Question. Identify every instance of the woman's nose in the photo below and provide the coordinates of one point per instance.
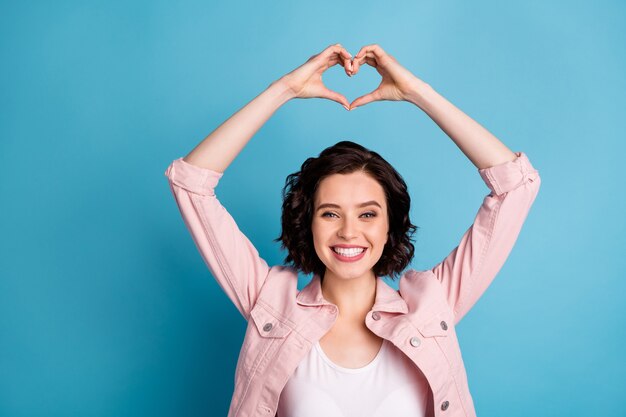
(347, 229)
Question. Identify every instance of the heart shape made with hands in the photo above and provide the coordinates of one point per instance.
(397, 83)
(395, 80)
(364, 82)
(350, 70)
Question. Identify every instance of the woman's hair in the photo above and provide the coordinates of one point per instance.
(298, 194)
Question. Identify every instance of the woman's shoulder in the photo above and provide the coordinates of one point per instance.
(415, 283)
(413, 274)
(281, 279)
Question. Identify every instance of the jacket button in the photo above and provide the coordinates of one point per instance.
(267, 327)
(444, 405)
(444, 325)
(376, 315)
(415, 342)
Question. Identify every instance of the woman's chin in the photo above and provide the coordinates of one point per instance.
(346, 273)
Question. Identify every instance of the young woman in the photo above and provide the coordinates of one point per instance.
(348, 344)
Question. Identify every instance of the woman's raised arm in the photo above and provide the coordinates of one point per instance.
(220, 148)
(399, 84)
(230, 256)
(471, 266)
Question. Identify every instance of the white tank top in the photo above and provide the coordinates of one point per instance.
(390, 385)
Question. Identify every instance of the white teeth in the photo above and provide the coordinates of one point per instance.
(349, 252)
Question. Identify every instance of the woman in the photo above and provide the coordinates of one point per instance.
(348, 344)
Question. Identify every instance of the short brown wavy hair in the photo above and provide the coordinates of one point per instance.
(298, 195)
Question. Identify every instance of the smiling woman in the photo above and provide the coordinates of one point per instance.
(347, 197)
(348, 344)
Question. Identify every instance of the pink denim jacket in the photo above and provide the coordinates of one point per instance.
(420, 319)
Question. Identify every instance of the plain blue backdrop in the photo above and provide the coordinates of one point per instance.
(106, 307)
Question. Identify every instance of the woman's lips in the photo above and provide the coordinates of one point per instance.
(348, 258)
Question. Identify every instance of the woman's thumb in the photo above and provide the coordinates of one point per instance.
(334, 96)
(364, 99)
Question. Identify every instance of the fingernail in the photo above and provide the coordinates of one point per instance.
(345, 107)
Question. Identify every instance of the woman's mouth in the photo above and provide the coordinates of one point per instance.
(348, 254)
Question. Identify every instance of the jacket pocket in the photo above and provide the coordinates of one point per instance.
(439, 328)
(437, 324)
(265, 336)
(267, 324)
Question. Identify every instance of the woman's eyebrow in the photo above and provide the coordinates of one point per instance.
(333, 205)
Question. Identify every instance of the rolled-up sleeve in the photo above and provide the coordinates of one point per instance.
(470, 268)
(230, 256)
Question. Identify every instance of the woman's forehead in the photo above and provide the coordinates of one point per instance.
(349, 189)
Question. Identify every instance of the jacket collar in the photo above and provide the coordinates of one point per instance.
(387, 299)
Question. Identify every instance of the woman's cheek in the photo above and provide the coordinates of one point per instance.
(318, 241)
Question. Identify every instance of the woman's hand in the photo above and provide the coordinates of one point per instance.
(397, 84)
(306, 80)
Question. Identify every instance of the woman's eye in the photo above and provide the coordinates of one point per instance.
(368, 215)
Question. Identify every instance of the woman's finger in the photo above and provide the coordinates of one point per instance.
(344, 63)
(355, 66)
(335, 96)
(373, 52)
(346, 60)
(340, 58)
(364, 99)
(348, 66)
(336, 49)
(366, 58)
(371, 62)
(373, 49)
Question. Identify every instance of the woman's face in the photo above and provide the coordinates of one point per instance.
(349, 217)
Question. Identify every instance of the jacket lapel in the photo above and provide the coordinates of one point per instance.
(387, 299)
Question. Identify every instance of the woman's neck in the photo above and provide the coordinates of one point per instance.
(353, 296)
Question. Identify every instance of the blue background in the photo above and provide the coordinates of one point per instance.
(106, 307)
